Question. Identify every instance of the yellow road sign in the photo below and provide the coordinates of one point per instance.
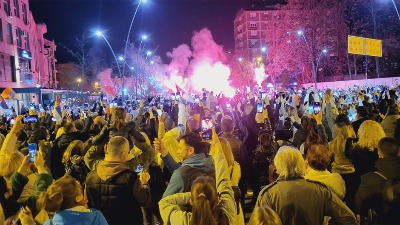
(355, 45)
(373, 47)
(364, 46)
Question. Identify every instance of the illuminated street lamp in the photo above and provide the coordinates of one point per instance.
(264, 49)
(324, 51)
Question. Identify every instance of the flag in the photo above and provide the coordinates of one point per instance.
(183, 93)
(7, 93)
(57, 109)
(3, 103)
(178, 89)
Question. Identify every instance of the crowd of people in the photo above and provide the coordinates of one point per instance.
(305, 157)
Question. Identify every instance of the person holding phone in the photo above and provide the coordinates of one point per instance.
(18, 181)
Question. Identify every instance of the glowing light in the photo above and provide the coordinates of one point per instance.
(300, 32)
(259, 75)
(325, 50)
(264, 49)
(259, 59)
(212, 77)
(240, 59)
(121, 58)
(144, 37)
(99, 33)
(79, 80)
(148, 53)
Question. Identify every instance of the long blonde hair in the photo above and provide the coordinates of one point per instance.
(264, 216)
(118, 118)
(74, 148)
(369, 134)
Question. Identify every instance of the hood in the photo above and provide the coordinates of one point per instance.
(109, 169)
(199, 161)
(389, 167)
(390, 119)
(77, 217)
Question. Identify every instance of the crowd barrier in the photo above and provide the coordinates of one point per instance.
(390, 81)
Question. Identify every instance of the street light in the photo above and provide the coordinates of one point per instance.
(121, 58)
(240, 59)
(324, 51)
(100, 34)
(148, 53)
(126, 46)
(264, 49)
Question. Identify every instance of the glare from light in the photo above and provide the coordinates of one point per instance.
(264, 49)
(121, 58)
(144, 37)
(300, 32)
(325, 51)
(99, 33)
(240, 59)
(148, 53)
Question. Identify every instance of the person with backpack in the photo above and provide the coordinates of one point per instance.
(195, 162)
(212, 200)
(372, 194)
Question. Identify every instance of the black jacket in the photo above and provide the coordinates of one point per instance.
(370, 194)
(363, 159)
(57, 152)
(119, 197)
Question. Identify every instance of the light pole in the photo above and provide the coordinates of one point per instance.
(126, 47)
(301, 33)
(397, 11)
(100, 34)
(79, 81)
(324, 51)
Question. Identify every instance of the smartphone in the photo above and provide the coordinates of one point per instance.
(139, 168)
(85, 106)
(16, 219)
(30, 119)
(178, 98)
(197, 101)
(317, 107)
(263, 95)
(12, 121)
(310, 110)
(228, 105)
(206, 128)
(259, 107)
(248, 90)
(159, 112)
(32, 149)
(31, 106)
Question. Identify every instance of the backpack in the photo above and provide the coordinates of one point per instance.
(189, 174)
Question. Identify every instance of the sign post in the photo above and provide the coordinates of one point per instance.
(364, 46)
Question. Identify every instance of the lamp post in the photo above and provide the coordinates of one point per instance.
(79, 81)
(324, 51)
(100, 34)
(126, 47)
(301, 33)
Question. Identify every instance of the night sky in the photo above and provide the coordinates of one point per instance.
(168, 23)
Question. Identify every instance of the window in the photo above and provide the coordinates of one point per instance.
(18, 33)
(7, 7)
(1, 30)
(9, 34)
(40, 46)
(253, 44)
(253, 25)
(24, 14)
(26, 38)
(253, 16)
(253, 33)
(16, 8)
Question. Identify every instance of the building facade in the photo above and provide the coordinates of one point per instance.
(27, 61)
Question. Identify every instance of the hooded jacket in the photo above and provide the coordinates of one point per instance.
(177, 183)
(170, 206)
(370, 194)
(78, 216)
(389, 125)
(287, 198)
(111, 186)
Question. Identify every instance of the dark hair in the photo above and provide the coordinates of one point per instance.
(342, 119)
(68, 128)
(194, 140)
(43, 133)
(94, 129)
(227, 125)
(389, 147)
(318, 157)
(362, 111)
(78, 125)
(311, 139)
